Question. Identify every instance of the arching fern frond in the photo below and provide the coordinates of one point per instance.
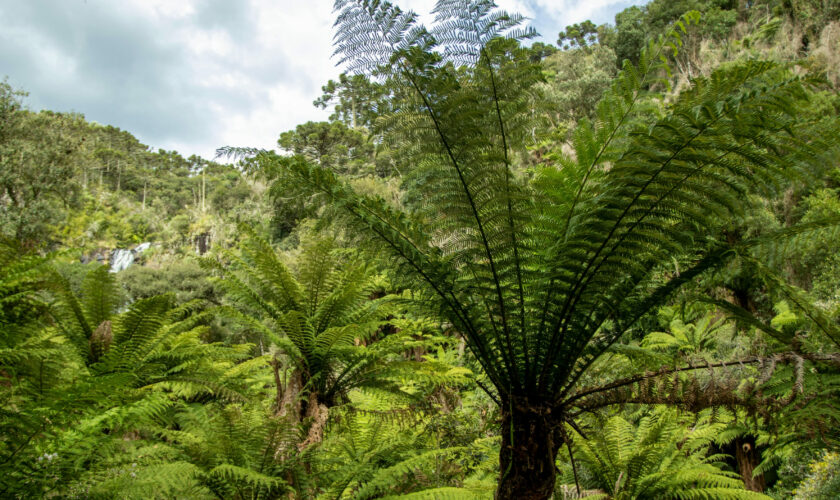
(532, 272)
(464, 28)
(371, 32)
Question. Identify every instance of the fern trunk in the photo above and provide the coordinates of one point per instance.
(531, 436)
(747, 456)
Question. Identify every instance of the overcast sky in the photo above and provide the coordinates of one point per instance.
(194, 75)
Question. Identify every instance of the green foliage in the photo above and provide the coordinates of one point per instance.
(84, 393)
(682, 338)
(635, 25)
(578, 35)
(332, 145)
(185, 278)
(657, 458)
(562, 244)
(824, 479)
(234, 448)
(539, 51)
(66, 181)
(317, 315)
(630, 34)
(372, 457)
(357, 100)
(536, 332)
(576, 83)
(37, 168)
(812, 16)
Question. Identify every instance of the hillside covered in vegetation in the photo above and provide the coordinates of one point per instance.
(606, 267)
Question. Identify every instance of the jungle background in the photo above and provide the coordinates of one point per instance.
(256, 349)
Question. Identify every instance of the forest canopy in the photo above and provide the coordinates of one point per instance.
(502, 268)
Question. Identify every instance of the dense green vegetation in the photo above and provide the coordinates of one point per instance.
(603, 269)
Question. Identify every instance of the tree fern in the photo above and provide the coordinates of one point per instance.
(316, 314)
(685, 339)
(659, 458)
(95, 384)
(35, 368)
(542, 277)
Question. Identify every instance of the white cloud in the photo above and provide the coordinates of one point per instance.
(520, 6)
(290, 40)
(194, 75)
(160, 9)
(295, 37)
(215, 42)
(576, 11)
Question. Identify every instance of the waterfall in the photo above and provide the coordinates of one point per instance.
(123, 258)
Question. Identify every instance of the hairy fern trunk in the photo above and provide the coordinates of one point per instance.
(748, 457)
(531, 437)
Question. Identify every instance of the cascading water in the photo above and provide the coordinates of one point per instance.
(123, 258)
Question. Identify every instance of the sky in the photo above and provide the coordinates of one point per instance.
(195, 75)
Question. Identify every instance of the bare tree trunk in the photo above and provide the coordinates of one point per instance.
(353, 112)
(202, 243)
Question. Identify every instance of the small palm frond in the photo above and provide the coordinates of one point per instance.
(445, 493)
(22, 275)
(234, 476)
(384, 479)
(262, 283)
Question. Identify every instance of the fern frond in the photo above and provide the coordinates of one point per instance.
(235, 474)
(100, 294)
(447, 493)
(385, 478)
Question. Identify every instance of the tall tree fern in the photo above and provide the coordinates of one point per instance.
(316, 315)
(542, 276)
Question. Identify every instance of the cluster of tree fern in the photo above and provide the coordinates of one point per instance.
(500, 270)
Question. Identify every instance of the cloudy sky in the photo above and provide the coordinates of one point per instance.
(193, 75)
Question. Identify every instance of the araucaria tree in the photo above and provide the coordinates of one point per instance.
(543, 273)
